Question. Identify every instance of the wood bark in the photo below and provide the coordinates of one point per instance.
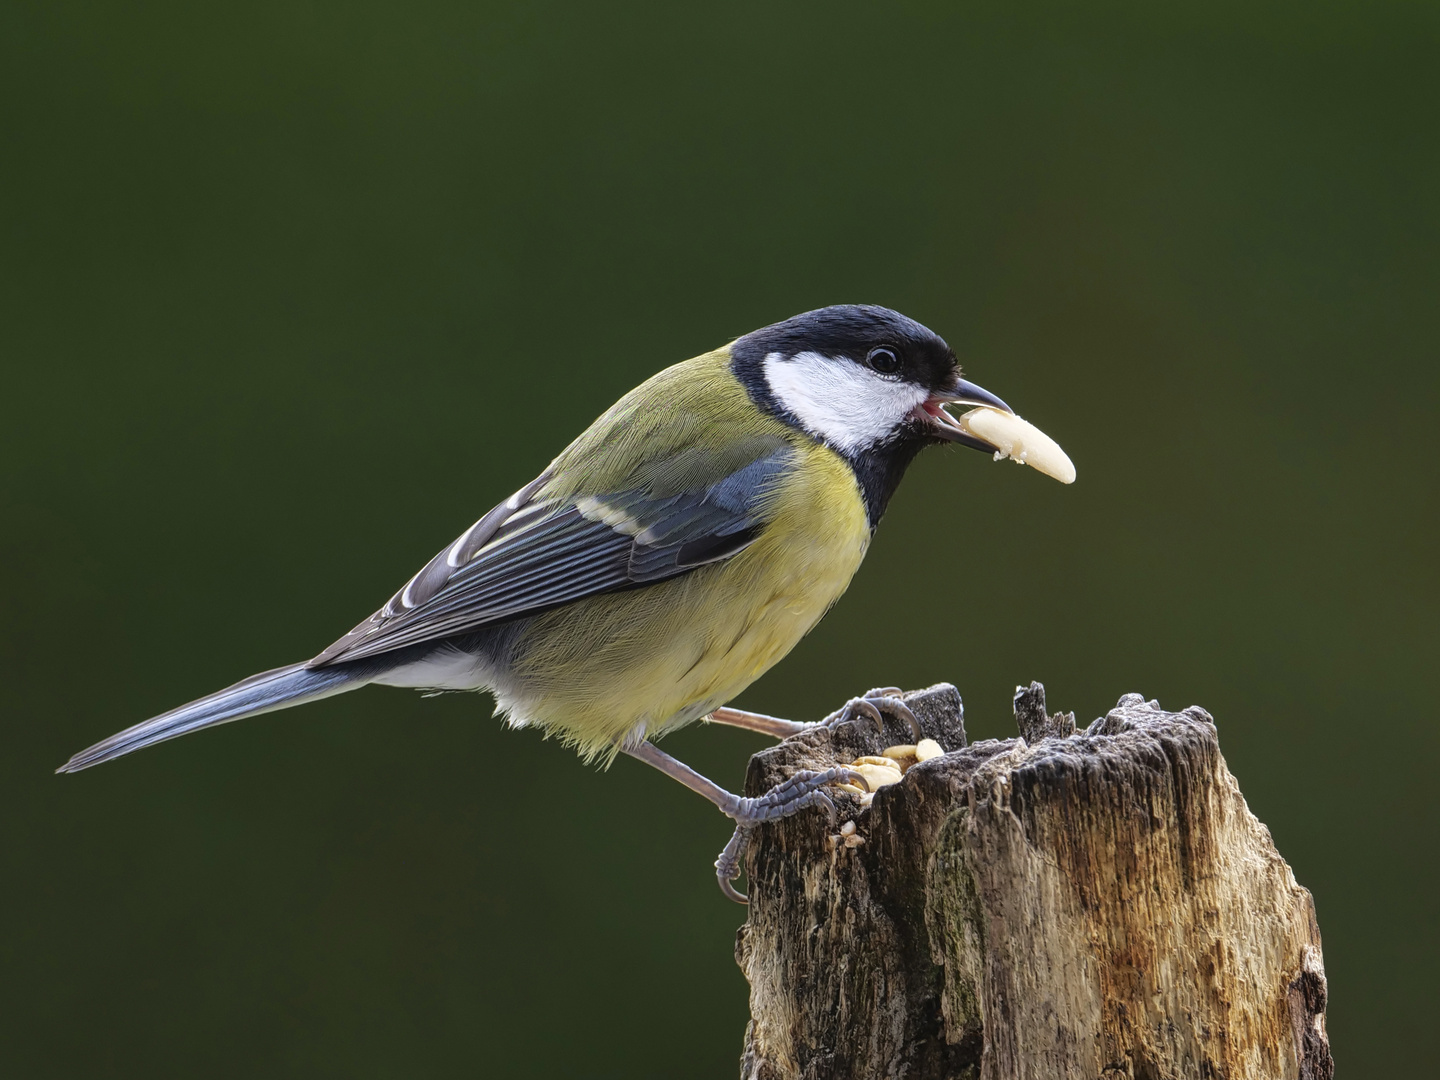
(1065, 904)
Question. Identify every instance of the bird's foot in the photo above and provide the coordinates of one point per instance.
(727, 866)
(792, 795)
(872, 705)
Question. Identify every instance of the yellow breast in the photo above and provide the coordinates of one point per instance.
(656, 658)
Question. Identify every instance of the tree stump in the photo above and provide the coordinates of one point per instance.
(1065, 904)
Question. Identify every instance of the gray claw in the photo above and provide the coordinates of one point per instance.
(790, 796)
(866, 709)
(898, 709)
(875, 702)
(727, 866)
(847, 713)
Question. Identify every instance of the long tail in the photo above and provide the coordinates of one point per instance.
(266, 692)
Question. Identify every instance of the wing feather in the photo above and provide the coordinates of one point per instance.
(530, 554)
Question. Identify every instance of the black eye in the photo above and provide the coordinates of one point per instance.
(883, 360)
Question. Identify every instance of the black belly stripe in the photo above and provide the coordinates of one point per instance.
(879, 471)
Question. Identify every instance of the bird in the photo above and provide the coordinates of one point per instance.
(673, 553)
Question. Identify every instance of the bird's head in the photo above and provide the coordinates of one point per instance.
(858, 378)
(873, 385)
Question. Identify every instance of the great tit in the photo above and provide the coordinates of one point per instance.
(664, 561)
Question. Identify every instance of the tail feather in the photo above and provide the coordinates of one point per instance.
(266, 692)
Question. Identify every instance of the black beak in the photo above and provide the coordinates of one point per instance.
(948, 428)
(967, 393)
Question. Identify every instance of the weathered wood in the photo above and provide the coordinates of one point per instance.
(1094, 904)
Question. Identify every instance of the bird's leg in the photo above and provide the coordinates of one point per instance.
(882, 699)
(754, 721)
(788, 797)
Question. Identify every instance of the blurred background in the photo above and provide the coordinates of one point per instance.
(290, 293)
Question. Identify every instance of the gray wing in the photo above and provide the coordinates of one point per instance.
(529, 554)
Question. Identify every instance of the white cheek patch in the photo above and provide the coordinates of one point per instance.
(849, 406)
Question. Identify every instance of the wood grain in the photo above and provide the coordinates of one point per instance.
(1067, 904)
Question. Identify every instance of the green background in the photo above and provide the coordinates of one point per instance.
(292, 292)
